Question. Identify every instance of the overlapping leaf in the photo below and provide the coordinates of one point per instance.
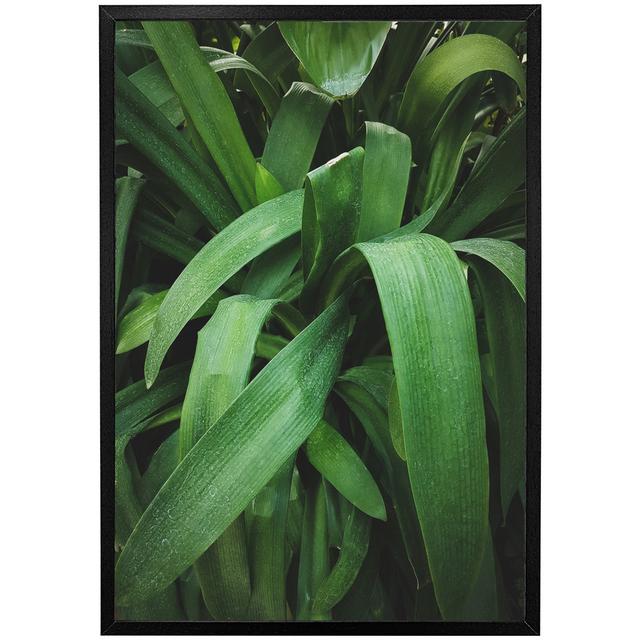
(332, 456)
(227, 467)
(235, 246)
(157, 140)
(439, 73)
(220, 372)
(429, 318)
(334, 468)
(206, 101)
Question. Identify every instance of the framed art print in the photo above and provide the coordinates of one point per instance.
(320, 308)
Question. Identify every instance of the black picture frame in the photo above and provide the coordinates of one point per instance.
(108, 14)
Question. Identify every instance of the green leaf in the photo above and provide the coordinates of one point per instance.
(386, 168)
(269, 53)
(504, 313)
(332, 201)
(154, 137)
(154, 83)
(338, 56)
(355, 544)
(227, 467)
(500, 172)
(268, 345)
(161, 466)
(167, 416)
(164, 606)
(133, 37)
(295, 514)
(136, 410)
(440, 72)
(223, 61)
(220, 371)
(402, 50)
(351, 265)
(365, 392)
(334, 458)
(268, 547)
(224, 255)
(267, 187)
(291, 289)
(135, 403)
(205, 99)
(162, 236)
(127, 193)
(156, 87)
(300, 118)
(482, 603)
(508, 257)
(356, 603)
(395, 421)
(223, 574)
(271, 271)
(128, 508)
(314, 553)
(449, 140)
(431, 328)
(135, 328)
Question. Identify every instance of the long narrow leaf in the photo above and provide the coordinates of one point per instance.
(301, 117)
(440, 72)
(314, 553)
(361, 390)
(502, 171)
(155, 138)
(508, 257)
(332, 202)
(227, 466)
(220, 371)
(154, 83)
(164, 237)
(268, 548)
(135, 327)
(429, 318)
(504, 312)
(353, 551)
(204, 97)
(127, 192)
(449, 139)
(226, 253)
(161, 466)
(334, 458)
(385, 178)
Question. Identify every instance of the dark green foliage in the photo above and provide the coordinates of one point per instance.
(320, 296)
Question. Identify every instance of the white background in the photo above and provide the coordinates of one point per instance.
(49, 298)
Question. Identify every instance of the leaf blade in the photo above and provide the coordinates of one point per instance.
(430, 323)
(205, 99)
(334, 458)
(205, 493)
(506, 256)
(440, 72)
(385, 172)
(337, 55)
(236, 245)
(155, 138)
(127, 193)
(301, 117)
